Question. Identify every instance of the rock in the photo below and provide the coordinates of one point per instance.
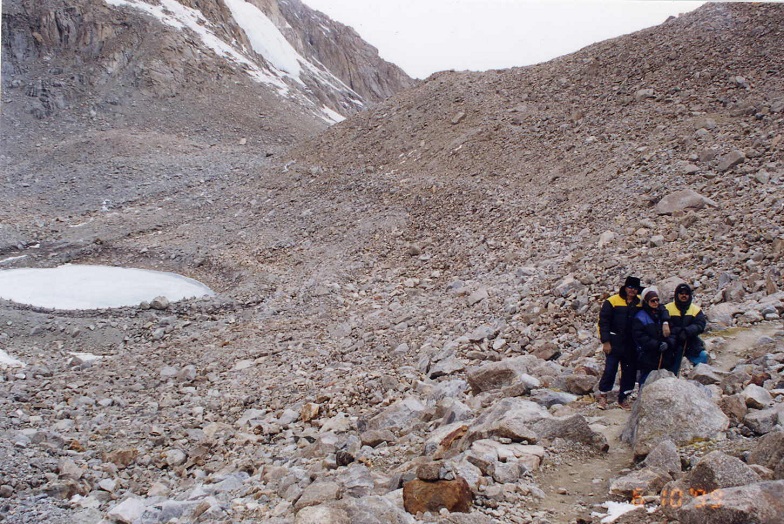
(731, 159)
(122, 458)
(500, 374)
(646, 481)
(769, 452)
(128, 511)
(318, 493)
(673, 409)
(176, 457)
(322, 515)
(681, 201)
(447, 366)
(511, 416)
(574, 428)
(581, 384)
(477, 296)
(377, 510)
(374, 437)
(756, 397)
(356, 481)
(309, 411)
(756, 503)
(734, 406)
(705, 374)
(160, 303)
(762, 421)
(401, 415)
(549, 398)
(718, 470)
(453, 495)
(664, 457)
(429, 471)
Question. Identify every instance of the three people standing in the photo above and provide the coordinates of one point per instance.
(640, 335)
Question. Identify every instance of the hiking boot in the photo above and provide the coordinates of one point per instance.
(601, 401)
(625, 404)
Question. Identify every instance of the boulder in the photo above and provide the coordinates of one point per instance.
(401, 415)
(681, 201)
(318, 493)
(574, 428)
(376, 510)
(322, 515)
(769, 452)
(504, 373)
(580, 384)
(674, 409)
(665, 457)
(646, 481)
(752, 504)
(762, 421)
(718, 470)
(757, 397)
(453, 495)
(506, 414)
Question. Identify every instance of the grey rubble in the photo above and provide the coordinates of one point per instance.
(367, 273)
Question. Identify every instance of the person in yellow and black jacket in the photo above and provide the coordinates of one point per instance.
(687, 322)
(615, 319)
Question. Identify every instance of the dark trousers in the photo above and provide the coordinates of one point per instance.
(628, 375)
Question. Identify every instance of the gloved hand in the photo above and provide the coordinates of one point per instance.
(663, 347)
(682, 336)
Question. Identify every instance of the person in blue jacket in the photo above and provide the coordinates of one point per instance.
(652, 336)
(687, 322)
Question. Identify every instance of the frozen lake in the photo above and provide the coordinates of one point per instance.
(95, 287)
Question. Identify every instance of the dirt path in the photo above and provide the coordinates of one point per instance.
(578, 486)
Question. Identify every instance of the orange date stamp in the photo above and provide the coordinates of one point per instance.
(674, 498)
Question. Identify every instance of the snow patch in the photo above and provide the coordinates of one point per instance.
(7, 361)
(95, 287)
(616, 509)
(265, 38)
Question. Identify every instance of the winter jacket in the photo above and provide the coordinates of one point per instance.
(687, 322)
(648, 337)
(615, 318)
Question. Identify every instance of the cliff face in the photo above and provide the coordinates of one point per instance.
(278, 59)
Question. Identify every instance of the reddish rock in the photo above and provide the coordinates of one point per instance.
(420, 496)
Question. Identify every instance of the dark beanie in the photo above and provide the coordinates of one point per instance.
(682, 288)
(633, 282)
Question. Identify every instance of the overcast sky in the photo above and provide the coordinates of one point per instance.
(425, 36)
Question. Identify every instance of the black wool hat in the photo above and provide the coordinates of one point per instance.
(682, 288)
(633, 282)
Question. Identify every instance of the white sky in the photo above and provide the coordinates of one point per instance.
(94, 287)
(425, 36)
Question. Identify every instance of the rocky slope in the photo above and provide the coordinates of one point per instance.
(413, 294)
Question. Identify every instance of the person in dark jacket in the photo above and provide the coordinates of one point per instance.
(687, 322)
(652, 336)
(615, 319)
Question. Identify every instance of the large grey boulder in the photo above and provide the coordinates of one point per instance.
(674, 409)
(504, 373)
